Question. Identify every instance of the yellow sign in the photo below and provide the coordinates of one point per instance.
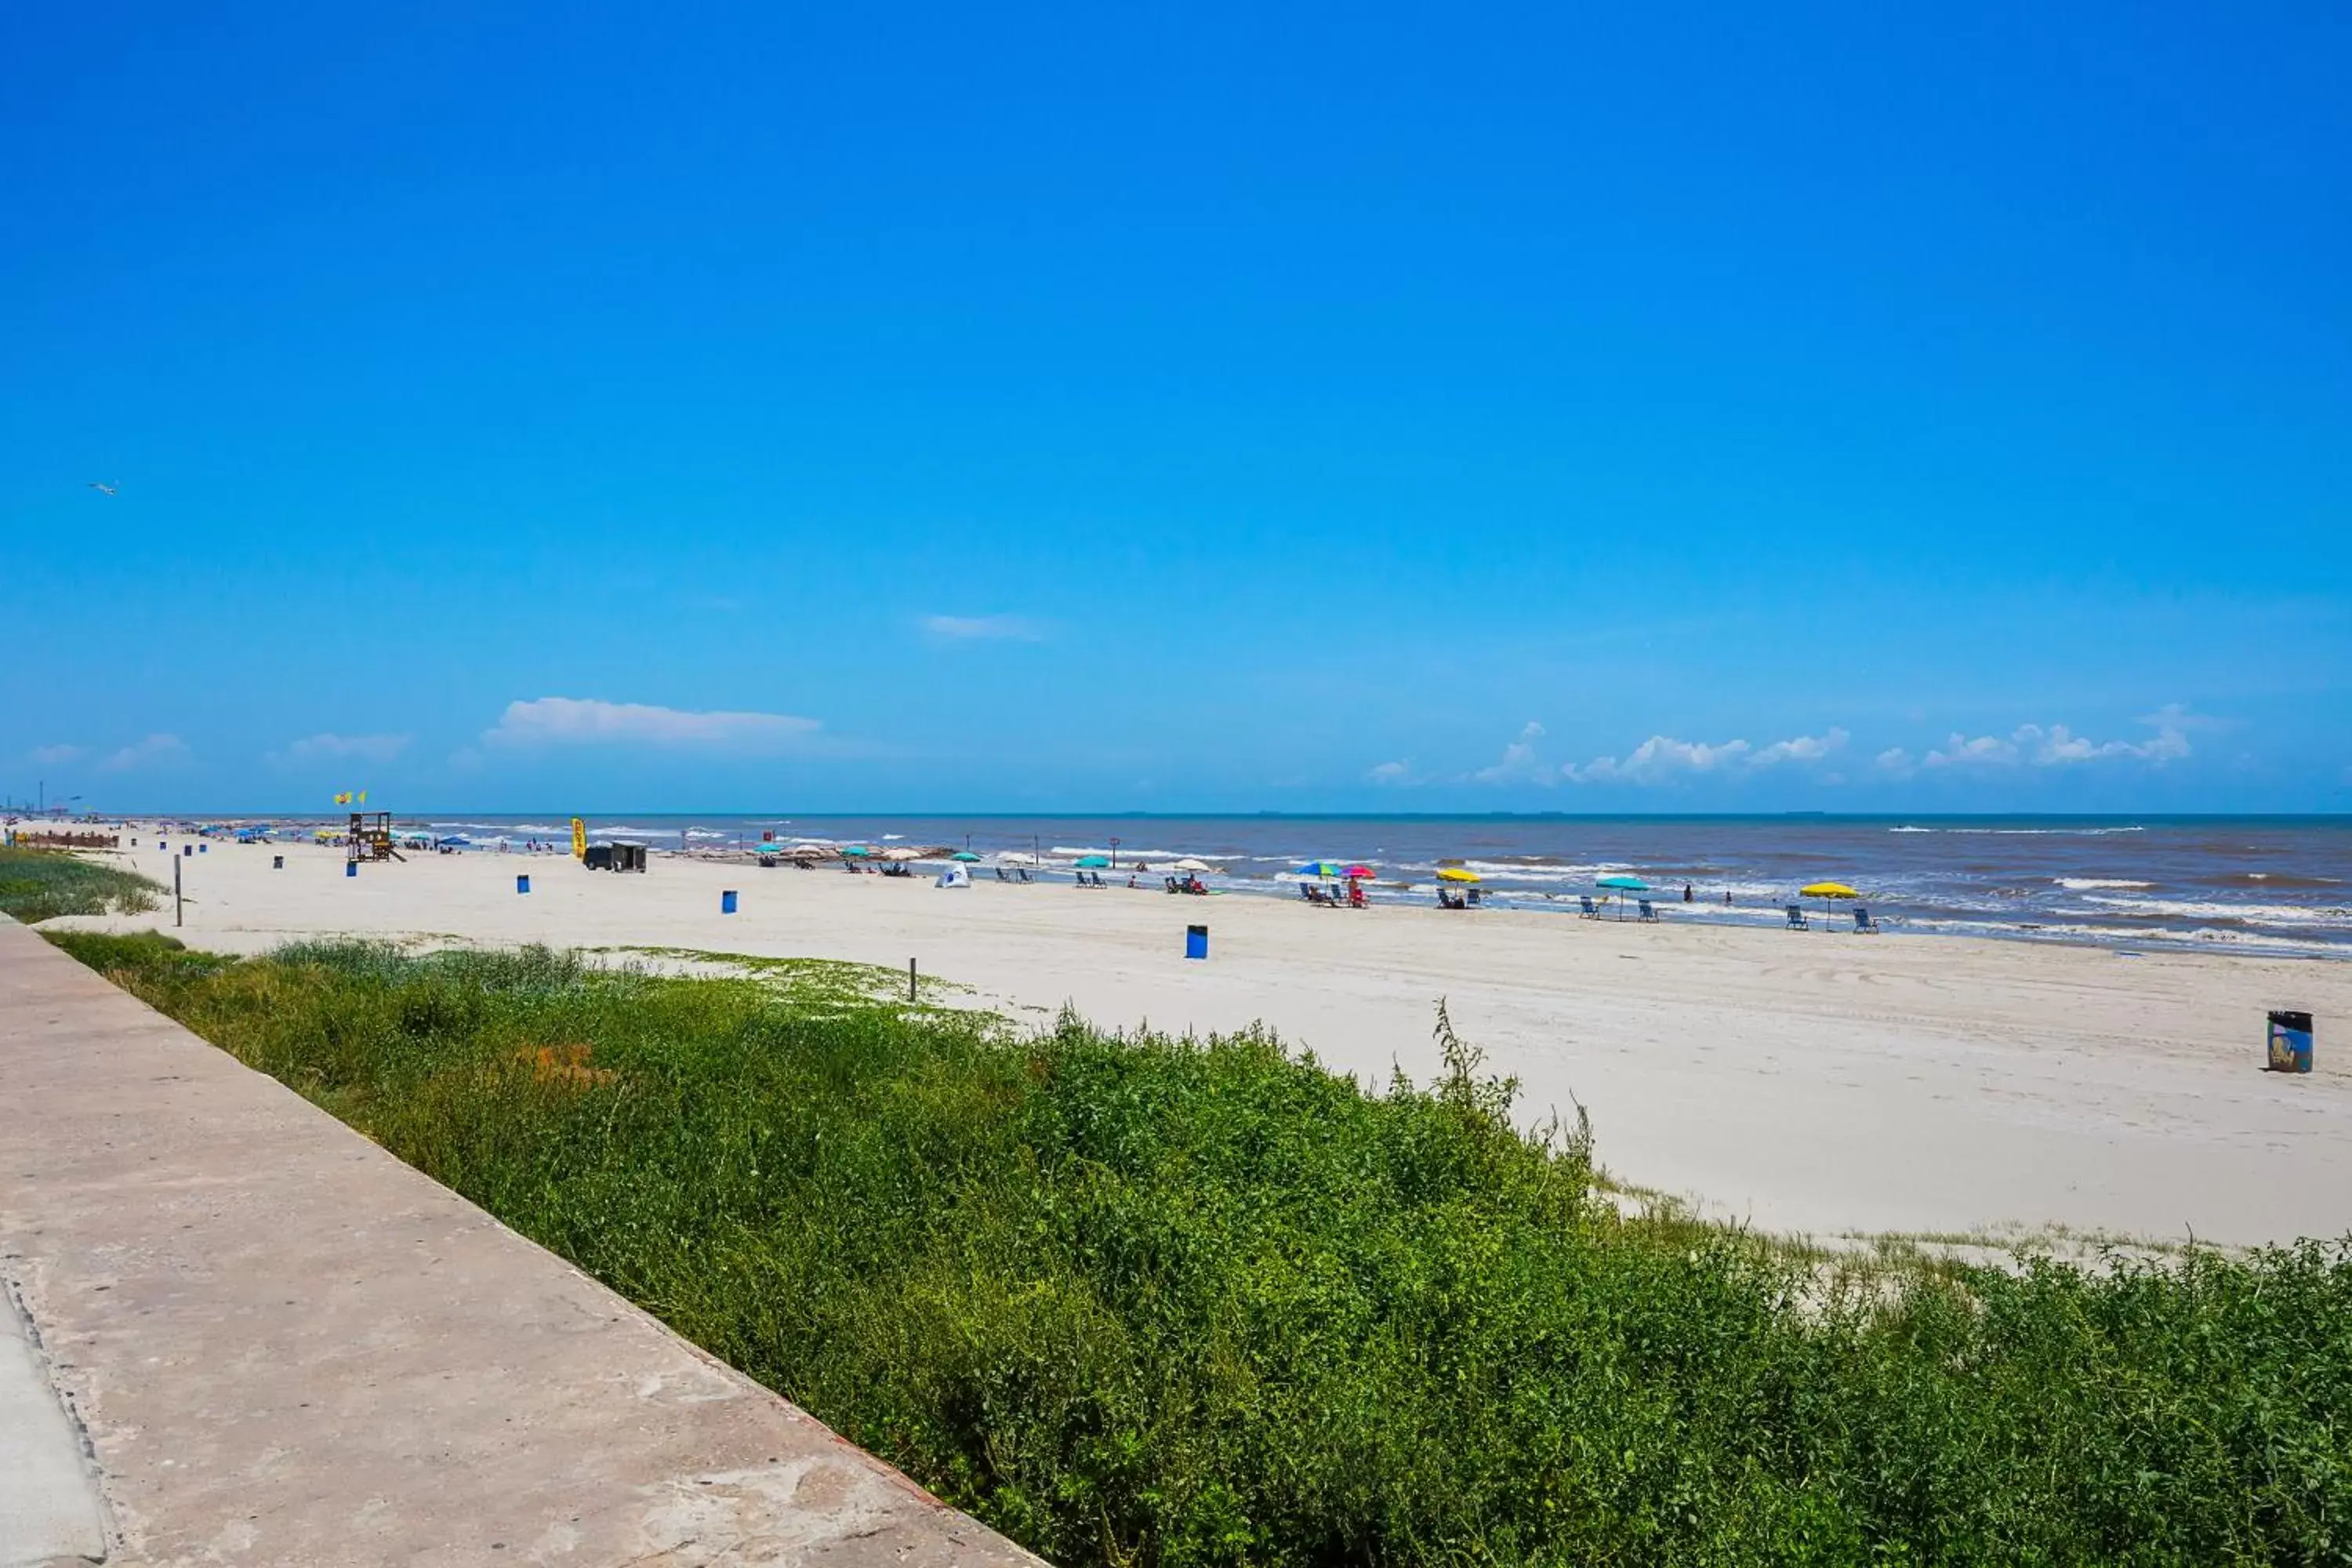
(579, 839)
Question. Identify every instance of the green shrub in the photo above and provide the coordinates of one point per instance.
(37, 884)
(1176, 1301)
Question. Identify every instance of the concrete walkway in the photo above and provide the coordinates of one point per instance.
(282, 1346)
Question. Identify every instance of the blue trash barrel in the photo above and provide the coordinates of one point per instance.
(522, 883)
(727, 903)
(2290, 1042)
(350, 867)
(186, 849)
(203, 849)
(1196, 942)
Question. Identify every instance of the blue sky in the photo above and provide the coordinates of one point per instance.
(1366, 408)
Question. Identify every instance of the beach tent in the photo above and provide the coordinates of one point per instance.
(956, 876)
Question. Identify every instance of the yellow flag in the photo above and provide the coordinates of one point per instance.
(362, 798)
(579, 839)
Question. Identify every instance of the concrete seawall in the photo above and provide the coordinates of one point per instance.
(267, 1341)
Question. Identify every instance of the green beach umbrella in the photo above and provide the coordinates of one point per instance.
(966, 856)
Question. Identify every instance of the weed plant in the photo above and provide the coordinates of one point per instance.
(1147, 1301)
(36, 884)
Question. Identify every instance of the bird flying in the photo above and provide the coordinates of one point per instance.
(104, 490)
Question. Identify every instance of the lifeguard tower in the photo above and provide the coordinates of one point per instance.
(369, 838)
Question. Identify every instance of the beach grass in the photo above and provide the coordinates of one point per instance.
(1154, 1300)
(37, 884)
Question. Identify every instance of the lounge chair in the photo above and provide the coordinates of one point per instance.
(1590, 912)
(1797, 918)
(1021, 873)
(1648, 914)
(1001, 876)
(1172, 884)
(1863, 924)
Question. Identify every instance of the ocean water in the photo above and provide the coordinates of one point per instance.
(2273, 885)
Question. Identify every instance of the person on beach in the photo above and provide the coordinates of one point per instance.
(1687, 892)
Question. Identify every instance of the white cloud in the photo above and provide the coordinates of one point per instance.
(365, 748)
(571, 721)
(1799, 749)
(155, 751)
(984, 628)
(1662, 757)
(2056, 746)
(1894, 760)
(1519, 765)
(1985, 751)
(1391, 773)
(50, 756)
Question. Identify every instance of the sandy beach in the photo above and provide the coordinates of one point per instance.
(1815, 1083)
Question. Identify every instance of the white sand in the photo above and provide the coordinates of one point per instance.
(1820, 1083)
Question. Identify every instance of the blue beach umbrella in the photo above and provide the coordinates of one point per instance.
(1324, 870)
(1621, 885)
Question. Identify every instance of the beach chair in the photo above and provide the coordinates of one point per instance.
(1863, 924)
(1648, 914)
(1797, 918)
(1021, 873)
(1355, 897)
(1001, 876)
(1590, 912)
(1172, 884)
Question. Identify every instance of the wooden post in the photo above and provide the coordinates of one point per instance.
(175, 889)
(910, 979)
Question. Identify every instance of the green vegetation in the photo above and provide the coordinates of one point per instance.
(1161, 1302)
(35, 884)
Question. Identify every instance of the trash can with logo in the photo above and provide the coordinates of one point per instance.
(2290, 1042)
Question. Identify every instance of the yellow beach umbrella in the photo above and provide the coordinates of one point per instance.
(1456, 873)
(1825, 891)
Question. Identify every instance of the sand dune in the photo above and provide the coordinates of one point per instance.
(1818, 1083)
